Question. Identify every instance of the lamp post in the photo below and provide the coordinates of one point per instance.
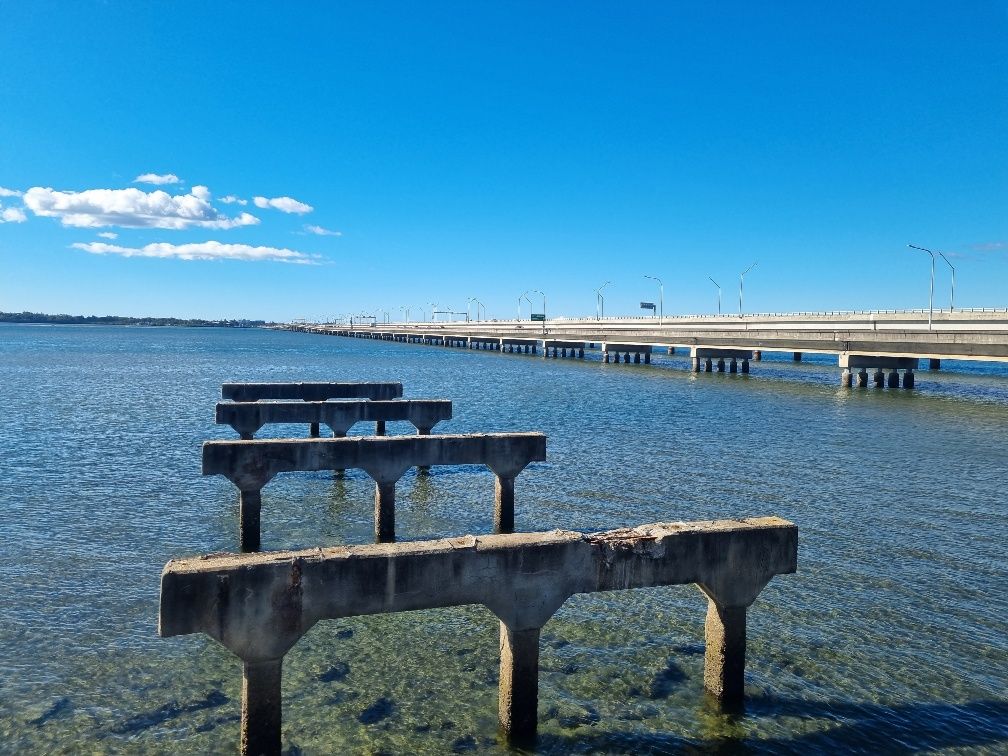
(741, 280)
(520, 298)
(478, 306)
(600, 301)
(952, 298)
(931, 295)
(536, 291)
(661, 299)
(718, 293)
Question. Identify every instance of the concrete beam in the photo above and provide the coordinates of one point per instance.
(248, 417)
(850, 360)
(250, 465)
(259, 605)
(309, 392)
(704, 353)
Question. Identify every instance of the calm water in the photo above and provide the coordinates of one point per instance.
(892, 637)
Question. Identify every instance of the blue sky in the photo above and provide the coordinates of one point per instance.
(459, 150)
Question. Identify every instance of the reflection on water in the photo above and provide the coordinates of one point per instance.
(893, 636)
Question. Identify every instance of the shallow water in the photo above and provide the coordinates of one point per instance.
(892, 636)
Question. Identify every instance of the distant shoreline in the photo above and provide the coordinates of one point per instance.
(38, 318)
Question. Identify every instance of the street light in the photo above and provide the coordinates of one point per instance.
(718, 293)
(931, 295)
(740, 282)
(536, 291)
(406, 310)
(952, 299)
(600, 301)
(478, 305)
(661, 299)
(525, 297)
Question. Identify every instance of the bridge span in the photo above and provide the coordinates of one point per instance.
(891, 341)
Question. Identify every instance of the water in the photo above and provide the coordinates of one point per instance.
(892, 636)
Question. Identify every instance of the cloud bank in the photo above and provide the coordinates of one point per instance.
(157, 178)
(283, 204)
(9, 192)
(132, 208)
(209, 250)
(319, 231)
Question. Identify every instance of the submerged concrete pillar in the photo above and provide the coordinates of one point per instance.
(862, 378)
(893, 380)
(504, 504)
(262, 708)
(605, 356)
(745, 367)
(757, 355)
(708, 365)
(313, 430)
(720, 365)
(908, 379)
(580, 353)
(636, 358)
(384, 512)
(671, 350)
(249, 509)
(626, 358)
(934, 364)
(797, 356)
(878, 378)
(518, 691)
(647, 358)
(724, 659)
(845, 378)
(695, 364)
(379, 428)
(733, 366)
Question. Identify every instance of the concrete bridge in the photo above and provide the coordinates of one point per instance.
(259, 605)
(884, 340)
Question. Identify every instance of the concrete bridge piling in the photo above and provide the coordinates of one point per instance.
(704, 357)
(259, 605)
(861, 362)
(248, 417)
(250, 465)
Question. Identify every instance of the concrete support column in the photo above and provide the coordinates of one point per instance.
(636, 358)
(695, 364)
(745, 367)
(647, 358)
(626, 358)
(504, 504)
(708, 365)
(534, 347)
(384, 512)
(581, 353)
(671, 351)
(757, 355)
(878, 378)
(605, 357)
(908, 379)
(249, 508)
(797, 356)
(518, 692)
(313, 430)
(934, 364)
(554, 353)
(862, 378)
(379, 429)
(845, 378)
(893, 381)
(733, 366)
(262, 708)
(423, 469)
(724, 660)
(720, 365)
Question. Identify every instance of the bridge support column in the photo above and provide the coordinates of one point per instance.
(745, 367)
(893, 380)
(647, 358)
(518, 691)
(862, 378)
(797, 357)
(581, 353)
(845, 378)
(708, 365)
(384, 512)
(934, 364)
(605, 357)
(379, 428)
(249, 510)
(724, 658)
(504, 504)
(695, 364)
(757, 355)
(636, 358)
(878, 378)
(671, 351)
(733, 366)
(720, 365)
(262, 707)
(908, 379)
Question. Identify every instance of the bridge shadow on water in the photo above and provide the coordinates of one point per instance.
(844, 727)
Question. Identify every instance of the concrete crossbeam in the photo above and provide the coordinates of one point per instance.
(259, 605)
(250, 465)
(248, 417)
(883, 362)
(309, 392)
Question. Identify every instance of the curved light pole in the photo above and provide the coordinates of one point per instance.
(661, 298)
(741, 280)
(718, 293)
(520, 298)
(600, 301)
(952, 298)
(478, 305)
(931, 295)
(536, 291)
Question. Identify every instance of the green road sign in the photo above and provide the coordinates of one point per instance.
(539, 316)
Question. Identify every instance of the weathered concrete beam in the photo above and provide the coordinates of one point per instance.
(248, 417)
(250, 465)
(704, 353)
(259, 605)
(850, 360)
(309, 392)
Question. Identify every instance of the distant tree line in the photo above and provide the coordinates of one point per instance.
(39, 317)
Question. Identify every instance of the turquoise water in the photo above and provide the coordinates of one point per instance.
(892, 636)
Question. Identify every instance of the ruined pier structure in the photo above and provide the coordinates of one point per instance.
(250, 465)
(259, 605)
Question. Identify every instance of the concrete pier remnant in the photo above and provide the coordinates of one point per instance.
(250, 465)
(259, 605)
(248, 417)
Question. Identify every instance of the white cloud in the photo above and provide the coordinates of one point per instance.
(108, 235)
(209, 250)
(13, 215)
(9, 192)
(132, 208)
(230, 199)
(319, 231)
(157, 178)
(283, 204)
